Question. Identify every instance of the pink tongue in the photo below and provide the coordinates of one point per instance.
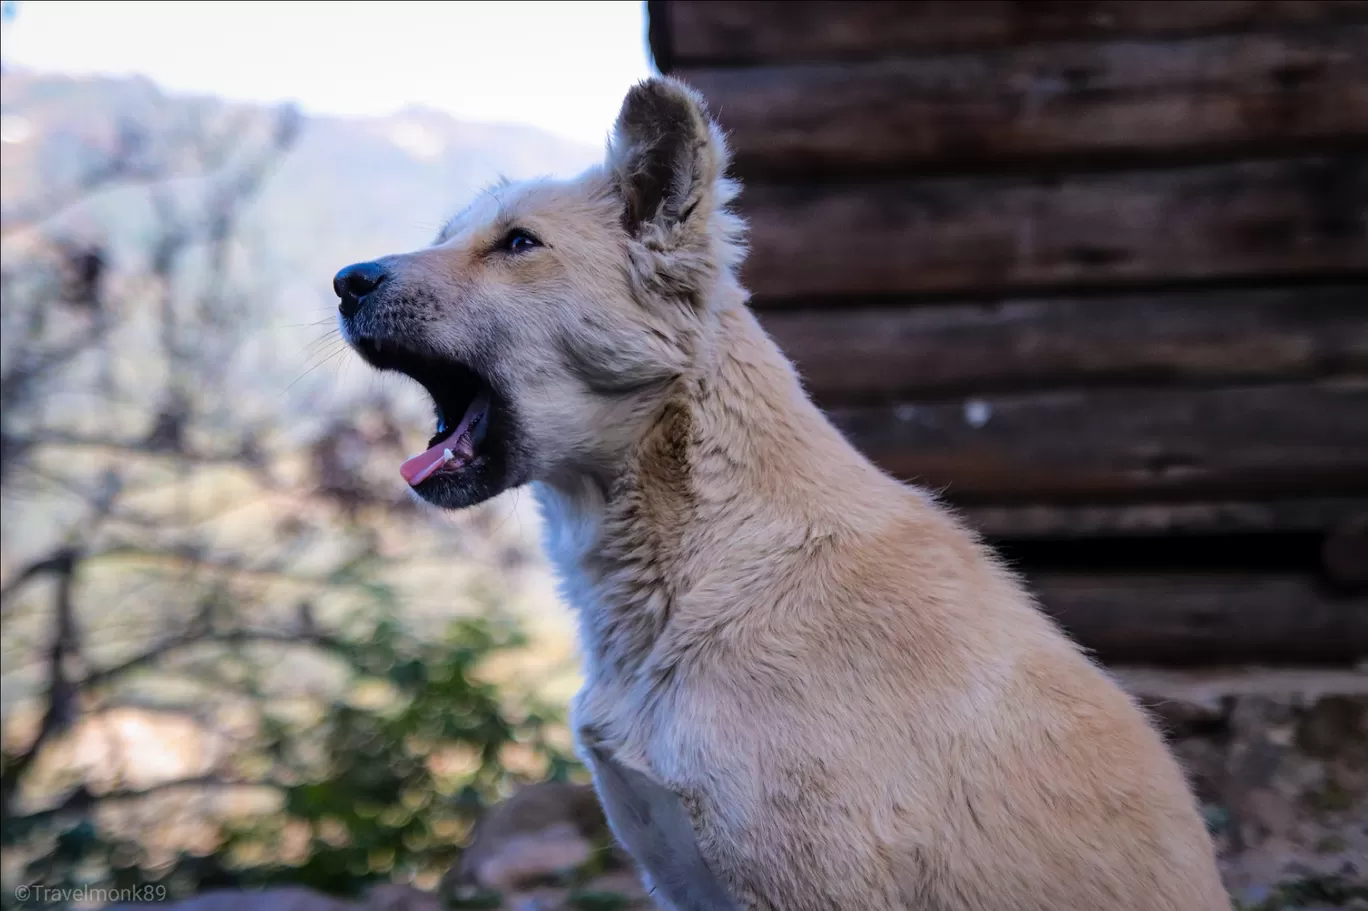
(420, 467)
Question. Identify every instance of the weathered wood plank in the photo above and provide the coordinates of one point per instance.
(1205, 619)
(1245, 220)
(1109, 101)
(880, 353)
(1345, 551)
(684, 31)
(1102, 520)
(1261, 441)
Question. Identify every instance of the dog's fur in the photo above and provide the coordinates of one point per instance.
(838, 689)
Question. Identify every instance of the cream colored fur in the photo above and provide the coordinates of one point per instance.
(859, 707)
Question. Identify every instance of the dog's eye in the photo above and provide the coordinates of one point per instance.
(518, 241)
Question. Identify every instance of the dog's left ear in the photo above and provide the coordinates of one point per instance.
(666, 158)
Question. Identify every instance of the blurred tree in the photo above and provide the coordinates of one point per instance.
(366, 793)
(174, 564)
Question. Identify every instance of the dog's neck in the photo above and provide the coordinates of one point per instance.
(736, 459)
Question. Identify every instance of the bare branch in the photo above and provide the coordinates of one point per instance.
(47, 346)
(56, 563)
(192, 639)
(189, 559)
(61, 691)
(121, 166)
(82, 800)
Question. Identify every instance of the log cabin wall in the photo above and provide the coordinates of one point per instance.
(1098, 271)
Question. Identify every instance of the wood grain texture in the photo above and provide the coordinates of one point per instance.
(1299, 440)
(880, 353)
(1248, 220)
(1031, 521)
(1205, 619)
(1344, 552)
(1111, 101)
(685, 31)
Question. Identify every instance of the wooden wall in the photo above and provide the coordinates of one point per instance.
(1096, 270)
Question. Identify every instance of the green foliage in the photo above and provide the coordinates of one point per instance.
(1314, 892)
(369, 797)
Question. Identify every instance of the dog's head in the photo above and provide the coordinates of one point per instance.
(549, 319)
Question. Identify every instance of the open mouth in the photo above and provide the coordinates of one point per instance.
(463, 404)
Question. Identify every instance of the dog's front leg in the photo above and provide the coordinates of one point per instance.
(650, 822)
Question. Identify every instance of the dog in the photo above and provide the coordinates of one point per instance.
(807, 685)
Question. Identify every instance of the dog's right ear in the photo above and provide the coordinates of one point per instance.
(666, 158)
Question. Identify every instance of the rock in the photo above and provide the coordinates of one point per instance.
(533, 856)
(1280, 762)
(540, 847)
(538, 833)
(398, 897)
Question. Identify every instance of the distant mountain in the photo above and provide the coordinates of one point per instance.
(355, 189)
(349, 189)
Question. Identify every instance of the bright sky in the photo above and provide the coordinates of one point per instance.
(559, 66)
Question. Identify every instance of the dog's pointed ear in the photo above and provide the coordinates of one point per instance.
(666, 157)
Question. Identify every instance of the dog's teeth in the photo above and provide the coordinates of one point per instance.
(447, 455)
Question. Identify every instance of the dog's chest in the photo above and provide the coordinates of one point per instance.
(619, 587)
(616, 575)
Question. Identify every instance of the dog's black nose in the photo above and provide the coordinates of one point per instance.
(354, 282)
